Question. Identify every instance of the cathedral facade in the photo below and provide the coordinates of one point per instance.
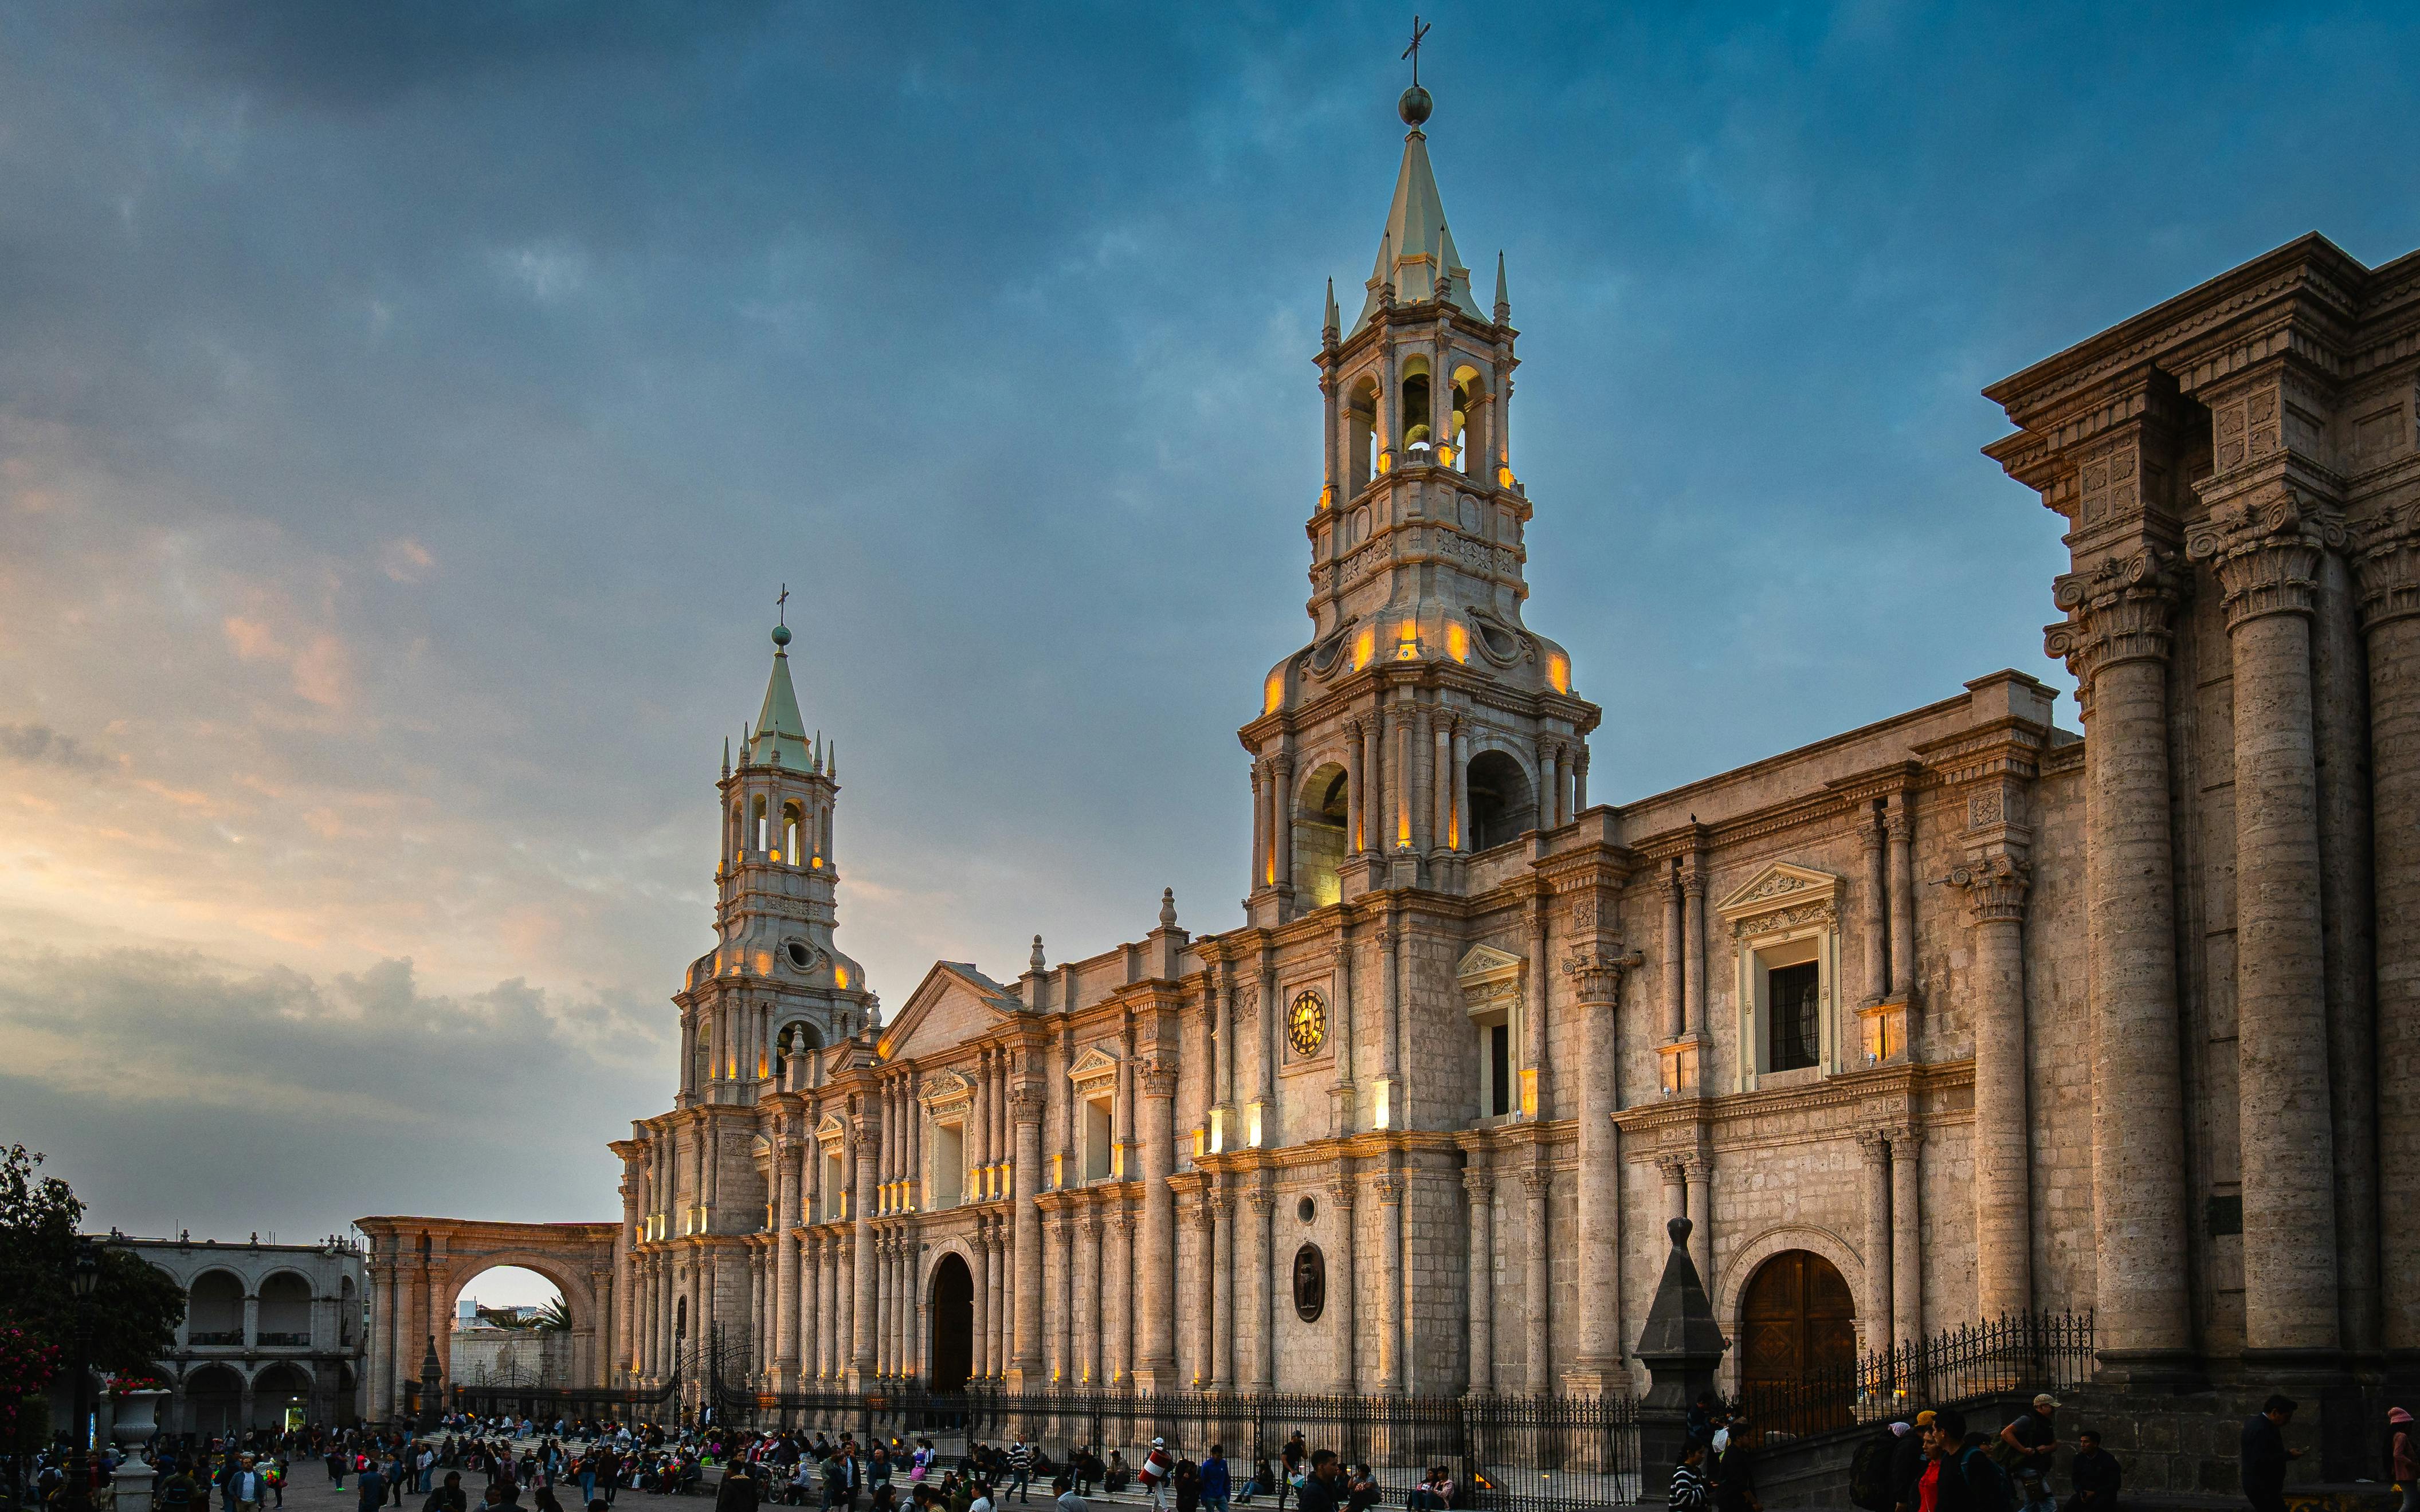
(1955, 1016)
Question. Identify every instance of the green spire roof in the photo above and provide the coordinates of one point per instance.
(781, 736)
(1417, 248)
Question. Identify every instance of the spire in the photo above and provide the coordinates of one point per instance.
(726, 755)
(1330, 323)
(1503, 297)
(1416, 247)
(781, 736)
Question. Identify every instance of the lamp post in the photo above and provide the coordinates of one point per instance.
(83, 1274)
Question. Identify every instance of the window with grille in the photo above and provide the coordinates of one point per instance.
(1794, 1020)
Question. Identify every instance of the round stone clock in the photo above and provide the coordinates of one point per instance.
(1307, 1025)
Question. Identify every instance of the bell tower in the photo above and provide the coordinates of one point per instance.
(1424, 722)
(776, 980)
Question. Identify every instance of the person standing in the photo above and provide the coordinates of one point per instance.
(1216, 1482)
(2028, 1447)
(2264, 1455)
(1688, 1493)
(1322, 1488)
(371, 1488)
(1066, 1499)
(1290, 1471)
(2403, 1456)
(1941, 1487)
(1733, 1469)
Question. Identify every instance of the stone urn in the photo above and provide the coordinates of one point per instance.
(136, 1417)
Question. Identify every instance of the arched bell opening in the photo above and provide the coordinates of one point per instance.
(1503, 806)
(1321, 822)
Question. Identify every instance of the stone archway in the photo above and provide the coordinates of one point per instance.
(419, 1266)
(951, 1338)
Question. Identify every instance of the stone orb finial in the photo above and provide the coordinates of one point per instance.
(1415, 105)
(1679, 1228)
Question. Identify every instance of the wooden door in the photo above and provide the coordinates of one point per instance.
(1798, 1325)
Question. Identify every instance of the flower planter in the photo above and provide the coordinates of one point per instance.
(137, 1416)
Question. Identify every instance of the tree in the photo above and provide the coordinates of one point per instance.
(135, 1307)
(554, 1318)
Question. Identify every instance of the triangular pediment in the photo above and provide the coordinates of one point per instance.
(1777, 887)
(1092, 1065)
(830, 1129)
(1484, 963)
(955, 1003)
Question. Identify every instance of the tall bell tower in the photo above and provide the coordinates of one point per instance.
(1424, 722)
(776, 976)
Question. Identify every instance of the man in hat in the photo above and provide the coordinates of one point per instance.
(1156, 1466)
(2029, 1444)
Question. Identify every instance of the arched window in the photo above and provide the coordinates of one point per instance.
(284, 1311)
(1420, 442)
(214, 1309)
(1469, 431)
(1503, 806)
(793, 821)
(764, 839)
(1361, 435)
(1319, 818)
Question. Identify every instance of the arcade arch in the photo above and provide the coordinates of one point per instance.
(419, 1267)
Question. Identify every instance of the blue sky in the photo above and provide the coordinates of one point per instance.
(408, 413)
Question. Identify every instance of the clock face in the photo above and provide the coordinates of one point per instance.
(1307, 1025)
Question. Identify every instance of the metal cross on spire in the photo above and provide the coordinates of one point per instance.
(780, 606)
(1413, 52)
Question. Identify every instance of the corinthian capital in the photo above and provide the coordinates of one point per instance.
(1596, 972)
(2118, 611)
(1027, 1103)
(2386, 557)
(2265, 547)
(1996, 887)
(1158, 1079)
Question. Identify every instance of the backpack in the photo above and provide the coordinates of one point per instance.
(1870, 1484)
(1993, 1490)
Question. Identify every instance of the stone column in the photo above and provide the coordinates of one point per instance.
(1479, 1185)
(1899, 823)
(1390, 1189)
(1003, 1295)
(1118, 1260)
(625, 1312)
(1343, 1291)
(1907, 1233)
(1253, 1354)
(1579, 781)
(1996, 886)
(2389, 567)
(865, 1160)
(1534, 1089)
(1282, 815)
(1676, 974)
(1028, 1104)
(1461, 840)
(1873, 917)
(1701, 1214)
(1227, 1047)
(1354, 792)
(1064, 1372)
(1156, 1282)
(1596, 982)
(1875, 1308)
(1205, 1288)
(1692, 892)
(1222, 1285)
(1373, 806)
(2116, 640)
(1550, 786)
(786, 1278)
(2265, 550)
(1536, 1300)
(1260, 829)
(1091, 1305)
(811, 1283)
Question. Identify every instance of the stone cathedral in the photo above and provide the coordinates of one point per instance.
(1953, 1016)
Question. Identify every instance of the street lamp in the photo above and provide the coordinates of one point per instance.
(83, 1275)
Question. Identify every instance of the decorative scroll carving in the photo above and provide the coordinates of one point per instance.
(2117, 610)
(2387, 559)
(1996, 887)
(2265, 550)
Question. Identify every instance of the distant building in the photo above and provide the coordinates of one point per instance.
(273, 1333)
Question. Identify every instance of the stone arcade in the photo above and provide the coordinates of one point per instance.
(1951, 1016)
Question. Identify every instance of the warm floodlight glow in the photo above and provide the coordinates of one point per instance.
(1381, 1105)
(1559, 672)
(840, 976)
(1273, 693)
(1457, 641)
(1504, 478)
(1364, 645)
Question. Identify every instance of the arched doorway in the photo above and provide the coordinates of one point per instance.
(280, 1397)
(511, 1328)
(1798, 1325)
(952, 1351)
(215, 1401)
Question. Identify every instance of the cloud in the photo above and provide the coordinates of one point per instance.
(405, 560)
(38, 745)
(124, 1061)
(320, 663)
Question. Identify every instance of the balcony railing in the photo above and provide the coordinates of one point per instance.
(285, 1341)
(203, 1337)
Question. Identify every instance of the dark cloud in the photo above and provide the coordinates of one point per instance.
(38, 745)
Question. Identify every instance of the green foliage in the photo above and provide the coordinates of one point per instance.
(554, 1318)
(135, 1308)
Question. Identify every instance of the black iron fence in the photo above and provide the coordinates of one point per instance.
(2022, 1352)
(512, 1392)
